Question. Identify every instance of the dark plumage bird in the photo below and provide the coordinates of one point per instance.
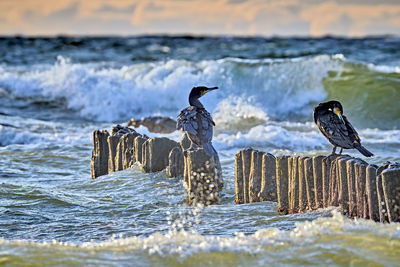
(196, 121)
(336, 128)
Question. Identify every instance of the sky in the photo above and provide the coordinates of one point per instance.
(352, 18)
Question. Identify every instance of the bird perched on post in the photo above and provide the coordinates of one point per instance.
(336, 128)
(197, 122)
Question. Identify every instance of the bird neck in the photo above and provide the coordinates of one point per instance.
(194, 101)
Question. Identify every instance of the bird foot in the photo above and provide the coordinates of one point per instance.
(329, 157)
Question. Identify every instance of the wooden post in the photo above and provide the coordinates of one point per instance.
(302, 185)
(293, 184)
(282, 183)
(139, 140)
(372, 195)
(268, 178)
(203, 178)
(309, 179)
(155, 153)
(334, 181)
(175, 163)
(391, 191)
(317, 173)
(343, 197)
(99, 161)
(326, 174)
(112, 148)
(246, 161)
(239, 191)
(351, 185)
(255, 176)
(360, 174)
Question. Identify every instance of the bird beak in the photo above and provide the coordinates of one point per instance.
(339, 114)
(209, 89)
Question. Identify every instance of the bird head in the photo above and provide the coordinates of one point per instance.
(199, 91)
(336, 108)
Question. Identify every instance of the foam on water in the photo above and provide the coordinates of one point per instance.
(276, 87)
(16, 130)
(323, 233)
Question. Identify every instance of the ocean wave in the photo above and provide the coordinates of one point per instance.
(336, 234)
(22, 131)
(272, 136)
(251, 90)
(110, 94)
(289, 137)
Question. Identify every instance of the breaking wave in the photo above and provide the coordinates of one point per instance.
(254, 90)
(307, 242)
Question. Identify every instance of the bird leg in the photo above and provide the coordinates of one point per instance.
(333, 151)
(340, 151)
(332, 154)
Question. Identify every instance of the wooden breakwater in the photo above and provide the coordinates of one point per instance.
(125, 147)
(300, 184)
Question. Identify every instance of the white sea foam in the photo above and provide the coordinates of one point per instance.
(321, 232)
(22, 131)
(272, 136)
(384, 68)
(237, 113)
(275, 87)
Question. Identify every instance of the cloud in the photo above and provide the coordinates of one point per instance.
(227, 17)
(107, 8)
(352, 19)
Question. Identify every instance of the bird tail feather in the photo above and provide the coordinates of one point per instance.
(209, 149)
(364, 151)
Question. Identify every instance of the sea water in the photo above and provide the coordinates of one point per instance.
(54, 92)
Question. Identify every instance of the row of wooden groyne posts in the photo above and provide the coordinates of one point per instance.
(298, 184)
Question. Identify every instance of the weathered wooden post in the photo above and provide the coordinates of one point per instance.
(360, 174)
(309, 179)
(239, 190)
(246, 161)
(317, 173)
(302, 185)
(175, 163)
(343, 194)
(118, 155)
(139, 140)
(282, 181)
(293, 192)
(112, 148)
(99, 161)
(351, 185)
(333, 187)
(268, 178)
(326, 175)
(156, 152)
(372, 195)
(381, 200)
(255, 176)
(204, 181)
(128, 149)
(391, 191)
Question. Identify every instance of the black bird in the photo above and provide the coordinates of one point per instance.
(197, 122)
(336, 128)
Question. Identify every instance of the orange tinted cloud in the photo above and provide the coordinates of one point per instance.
(237, 17)
(351, 19)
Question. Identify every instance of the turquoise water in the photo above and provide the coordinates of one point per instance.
(55, 92)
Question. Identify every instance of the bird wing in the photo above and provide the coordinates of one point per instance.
(198, 123)
(187, 121)
(352, 132)
(335, 130)
(207, 124)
